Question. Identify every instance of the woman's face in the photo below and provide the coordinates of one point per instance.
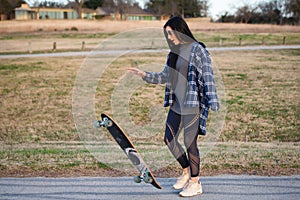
(172, 36)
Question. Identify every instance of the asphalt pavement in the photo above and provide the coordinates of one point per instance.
(121, 52)
(223, 187)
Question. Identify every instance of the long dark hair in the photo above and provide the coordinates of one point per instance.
(184, 34)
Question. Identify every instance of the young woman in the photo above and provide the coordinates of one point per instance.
(190, 92)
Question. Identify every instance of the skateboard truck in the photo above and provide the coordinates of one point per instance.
(105, 123)
(145, 176)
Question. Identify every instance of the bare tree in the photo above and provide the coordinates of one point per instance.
(7, 8)
(204, 7)
(186, 8)
(270, 12)
(78, 6)
(34, 3)
(122, 7)
(294, 8)
(245, 13)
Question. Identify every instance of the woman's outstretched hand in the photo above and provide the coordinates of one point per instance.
(137, 71)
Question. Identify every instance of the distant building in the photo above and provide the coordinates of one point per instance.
(55, 13)
(106, 13)
(26, 13)
(3, 17)
(131, 13)
(88, 13)
(137, 13)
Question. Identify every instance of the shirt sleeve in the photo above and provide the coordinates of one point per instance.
(157, 77)
(208, 80)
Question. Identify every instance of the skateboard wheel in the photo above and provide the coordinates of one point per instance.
(106, 122)
(147, 178)
(137, 179)
(96, 124)
(109, 123)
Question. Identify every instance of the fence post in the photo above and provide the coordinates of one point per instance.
(263, 42)
(54, 46)
(29, 47)
(284, 40)
(83, 45)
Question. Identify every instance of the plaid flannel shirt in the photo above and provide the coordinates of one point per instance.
(201, 91)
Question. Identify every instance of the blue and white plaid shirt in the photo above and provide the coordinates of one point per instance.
(201, 91)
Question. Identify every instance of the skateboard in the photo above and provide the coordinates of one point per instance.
(129, 149)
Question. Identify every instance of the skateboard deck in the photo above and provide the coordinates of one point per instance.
(129, 149)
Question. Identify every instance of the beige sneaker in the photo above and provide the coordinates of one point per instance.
(191, 189)
(182, 181)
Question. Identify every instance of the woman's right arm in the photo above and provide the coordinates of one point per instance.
(152, 77)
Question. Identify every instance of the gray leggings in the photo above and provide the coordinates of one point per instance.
(190, 123)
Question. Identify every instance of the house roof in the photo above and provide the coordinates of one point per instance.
(137, 10)
(134, 10)
(87, 10)
(24, 7)
(104, 10)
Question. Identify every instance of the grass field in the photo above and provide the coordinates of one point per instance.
(39, 137)
(39, 35)
(70, 41)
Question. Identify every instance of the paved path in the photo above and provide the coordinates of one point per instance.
(121, 52)
(217, 187)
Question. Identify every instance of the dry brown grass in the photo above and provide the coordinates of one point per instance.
(40, 35)
(121, 26)
(262, 95)
(39, 138)
(262, 102)
(36, 99)
(29, 45)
